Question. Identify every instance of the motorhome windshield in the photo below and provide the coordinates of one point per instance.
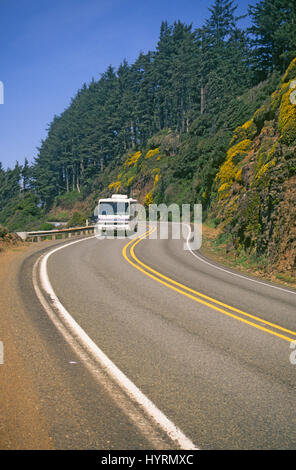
(114, 208)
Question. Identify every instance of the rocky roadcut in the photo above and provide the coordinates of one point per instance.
(9, 240)
(257, 183)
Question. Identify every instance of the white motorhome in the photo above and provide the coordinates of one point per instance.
(117, 214)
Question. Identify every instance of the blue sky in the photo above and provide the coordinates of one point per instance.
(49, 48)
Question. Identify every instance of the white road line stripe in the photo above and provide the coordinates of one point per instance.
(232, 273)
(135, 394)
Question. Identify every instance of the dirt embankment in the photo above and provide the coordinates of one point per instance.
(10, 240)
(215, 247)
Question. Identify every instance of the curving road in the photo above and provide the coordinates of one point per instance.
(149, 345)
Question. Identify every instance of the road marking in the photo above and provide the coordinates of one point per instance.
(233, 273)
(133, 243)
(211, 299)
(79, 340)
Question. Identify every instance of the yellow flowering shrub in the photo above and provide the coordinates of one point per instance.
(148, 199)
(238, 175)
(264, 169)
(132, 160)
(247, 131)
(272, 151)
(291, 71)
(152, 153)
(156, 177)
(224, 191)
(287, 119)
(223, 187)
(239, 150)
(114, 186)
(130, 180)
(229, 171)
(277, 96)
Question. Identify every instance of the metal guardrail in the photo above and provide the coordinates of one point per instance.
(39, 235)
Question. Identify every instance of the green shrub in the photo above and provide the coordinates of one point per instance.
(22, 213)
(46, 226)
(3, 231)
(60, 216)
(67, 200)
(77, 220)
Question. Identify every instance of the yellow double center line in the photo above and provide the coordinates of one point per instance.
(129, 248)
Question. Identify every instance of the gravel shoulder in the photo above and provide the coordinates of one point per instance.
(22, 425)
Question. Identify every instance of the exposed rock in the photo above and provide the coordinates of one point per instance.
(256, 185)
(8, 240)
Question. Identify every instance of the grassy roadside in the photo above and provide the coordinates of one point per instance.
(215, 245)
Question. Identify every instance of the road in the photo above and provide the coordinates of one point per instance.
(148, 345)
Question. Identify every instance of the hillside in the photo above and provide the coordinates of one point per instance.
(251, 196)
(256, 184)
(175, 168)
(170, 167)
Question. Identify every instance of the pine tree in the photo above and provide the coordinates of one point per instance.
(273, 35)
(26, 174)
(223, 57)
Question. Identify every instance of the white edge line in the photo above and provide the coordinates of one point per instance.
(232, 273)
(117, 375)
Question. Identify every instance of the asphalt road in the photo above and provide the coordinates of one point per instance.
(208, 348)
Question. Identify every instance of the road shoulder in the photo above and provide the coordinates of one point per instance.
(218, 251)
(22, 424)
